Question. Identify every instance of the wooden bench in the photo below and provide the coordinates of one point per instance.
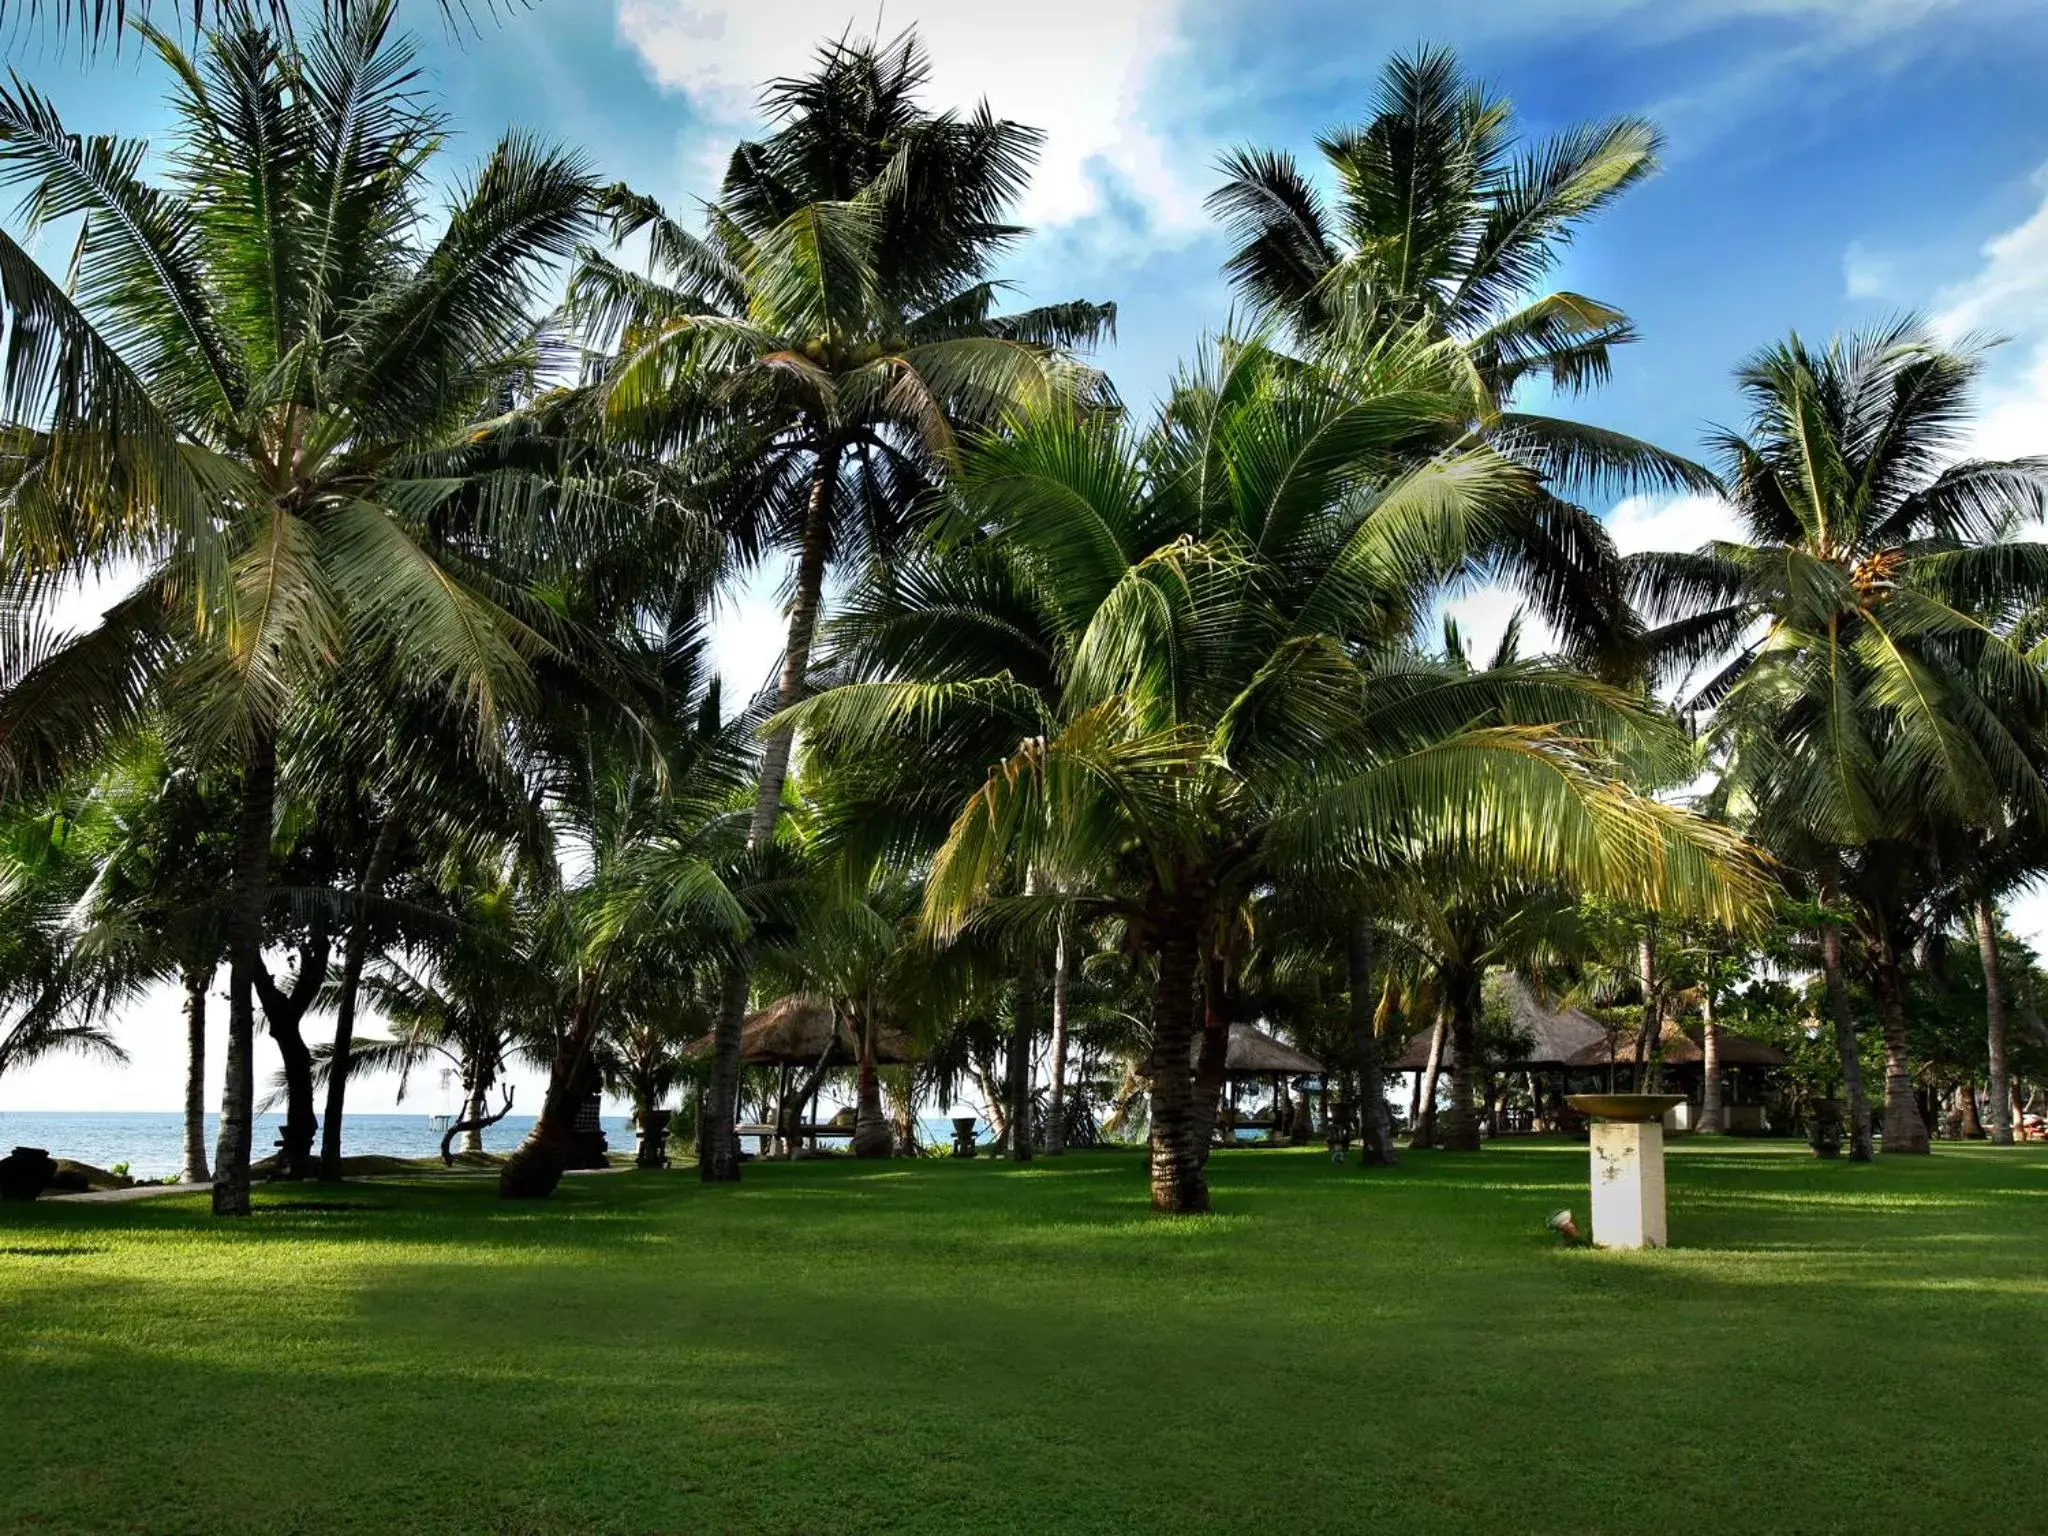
(805, 1131)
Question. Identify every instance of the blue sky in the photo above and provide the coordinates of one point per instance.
(1831, 162)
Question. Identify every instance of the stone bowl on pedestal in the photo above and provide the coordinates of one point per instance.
(1628, 1166)
(1625, 1106)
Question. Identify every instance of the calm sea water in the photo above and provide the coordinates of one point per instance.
(154, 1145)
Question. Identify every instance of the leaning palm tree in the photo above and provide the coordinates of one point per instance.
(825, 345)
(270, 382)
(1213, 689)
(1868, 699)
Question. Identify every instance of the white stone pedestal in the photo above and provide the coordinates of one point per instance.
(1628, 1184)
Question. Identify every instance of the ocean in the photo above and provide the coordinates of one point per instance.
(153, 1145)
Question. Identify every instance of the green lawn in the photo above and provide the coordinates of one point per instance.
(945, 1346)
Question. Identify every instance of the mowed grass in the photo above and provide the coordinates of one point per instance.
(938, 1346)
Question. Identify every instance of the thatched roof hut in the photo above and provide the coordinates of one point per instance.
(1558, 1036)
(1254, 1053)
(797, 1030)
(1686, 1048)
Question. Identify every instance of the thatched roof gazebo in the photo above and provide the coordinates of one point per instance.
(1557, 1036)
(1254, 1053)
(1682, 1047)
(797, 1034)
(802, 1030)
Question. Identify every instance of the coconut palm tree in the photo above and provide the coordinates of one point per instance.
(826, 343)
(53, 990)
(1440, 218)
(270, 382)
(1867, 699)
(1216, 689)
(162, 865)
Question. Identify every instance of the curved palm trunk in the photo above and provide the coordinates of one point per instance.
(1056, 1117)
(872, 1134)
(245, 957)
(1846, 1047)
(1376, 1126)
(1994, 1023)
(371, 885)
(1904, 1130)
(1461, 1122)
(1178, 1185)
(1424, 1134)
(197, 980)
(537, 1164)
(718, 1149)
(286, 1013)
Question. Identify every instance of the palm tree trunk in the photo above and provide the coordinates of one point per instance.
(1904, 1130)
(1023, 1036)
(872, 1135)
(537, 1164)
(1461, 1124)
(1650, 1031)
(1056, 1116)
(1212, 1058)
(1178, 1185)
(1376, 1126)
(1994, 1022)
(286, 1013)
(245, 955)
(1846, 1047)
(473, 1132)
(1425, 1116)
(197, 980)
(718, 1149)
(1711, 1114)
(370, 886)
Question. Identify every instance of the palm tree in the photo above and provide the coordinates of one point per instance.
(164, 861)
(827, 341)
(1215, 689)
(53, 990)
(1868, 701)
(95, 21)
(1442, 220)
(269, 389)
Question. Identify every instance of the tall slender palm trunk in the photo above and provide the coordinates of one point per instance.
(1023, 1039)
(1424, 1134)
(197, 979)
(368, 888)
(1847, 1050)
(1461, 1123)
(1056, 1115)
(245, 957)
(1994, 1022)
(1650, 1030)
(1904, 1130)
(1376, 1126)
(1713, 1119)
(1178, 1184)
(718, 1148)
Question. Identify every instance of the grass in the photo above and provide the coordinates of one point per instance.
(969, 1347)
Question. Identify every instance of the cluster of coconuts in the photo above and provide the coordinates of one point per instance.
(856, 354)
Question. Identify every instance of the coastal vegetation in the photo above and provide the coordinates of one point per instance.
(1099, 730)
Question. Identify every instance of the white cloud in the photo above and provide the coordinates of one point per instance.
(2008, 297)
(1079, 69)
(1864, 275)
(1670, 522)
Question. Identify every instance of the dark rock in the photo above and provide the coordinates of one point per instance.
(26, 1173)
(68, 1181)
